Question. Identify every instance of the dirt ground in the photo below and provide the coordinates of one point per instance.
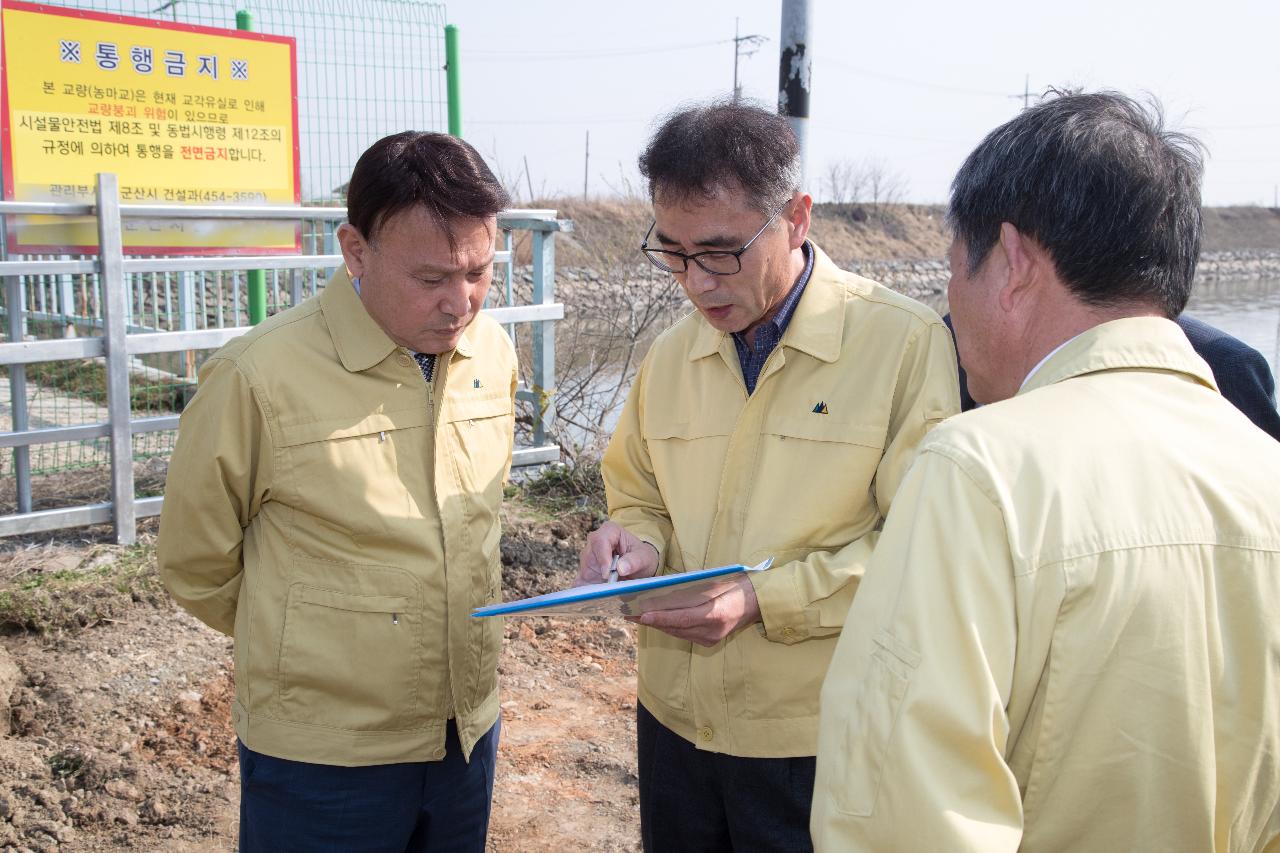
(119, 733)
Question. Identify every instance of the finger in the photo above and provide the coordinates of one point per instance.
(640, 561)
(629, 567)
(586, 576)
(684, 617)
(609, 543)
(598, 554)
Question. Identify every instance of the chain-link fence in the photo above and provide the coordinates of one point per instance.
(364, 70)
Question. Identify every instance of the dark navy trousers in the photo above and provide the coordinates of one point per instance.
(694, 801)
(296, 807)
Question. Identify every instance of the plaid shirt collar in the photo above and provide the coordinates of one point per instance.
(753, 356)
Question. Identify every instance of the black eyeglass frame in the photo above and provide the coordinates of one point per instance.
(736, 254)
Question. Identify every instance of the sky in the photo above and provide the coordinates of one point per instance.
(911, 85)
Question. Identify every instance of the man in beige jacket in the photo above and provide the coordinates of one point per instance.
(332, 503)
(776, 420)
(1067, 638)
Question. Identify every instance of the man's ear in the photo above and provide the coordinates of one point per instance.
(353, 248)
(798, 219)
(1022, 259)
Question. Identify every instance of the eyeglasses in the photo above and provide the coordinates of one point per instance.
(715, 262)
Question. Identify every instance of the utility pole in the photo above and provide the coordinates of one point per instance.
(795, 70)
(742, 46)
(586, 160)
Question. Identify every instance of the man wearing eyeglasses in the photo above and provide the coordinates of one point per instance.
(775, 421)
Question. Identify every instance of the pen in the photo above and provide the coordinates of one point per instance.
(613, 569)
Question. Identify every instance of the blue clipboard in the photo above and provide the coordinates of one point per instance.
(629, 598)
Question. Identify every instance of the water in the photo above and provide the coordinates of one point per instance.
(1249, 310)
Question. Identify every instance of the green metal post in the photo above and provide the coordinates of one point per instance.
(257, 296)
(257, 278)
(451, 76)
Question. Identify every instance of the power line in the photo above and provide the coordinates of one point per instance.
(907, 81)
(1241, 127)
(827, 128)
(566, 120)
(1219, 161)
(573, 55)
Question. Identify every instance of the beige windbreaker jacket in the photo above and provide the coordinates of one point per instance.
(1068, 636)
(803, 471)
(341, 523)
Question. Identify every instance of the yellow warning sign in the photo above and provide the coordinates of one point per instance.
(182, 114)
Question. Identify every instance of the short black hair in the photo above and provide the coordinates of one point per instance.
(724, 143)
(1096, 180)
(442, 173)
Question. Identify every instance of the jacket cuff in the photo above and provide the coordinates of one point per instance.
(214, 607)
(785, 617)
(656, 545)
(646, 531)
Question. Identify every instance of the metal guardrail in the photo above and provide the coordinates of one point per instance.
(117, 346)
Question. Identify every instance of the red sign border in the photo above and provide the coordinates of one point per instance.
(6, 139)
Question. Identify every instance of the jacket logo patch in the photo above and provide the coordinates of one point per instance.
(821, 408)
(475, 383)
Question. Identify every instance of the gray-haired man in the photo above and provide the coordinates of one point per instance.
(775, 421)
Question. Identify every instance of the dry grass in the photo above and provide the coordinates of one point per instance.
(853, 232)
(845, 232)
(1235, 229)
(61, 585)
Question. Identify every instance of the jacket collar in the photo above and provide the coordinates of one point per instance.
(816, 327)
(1132, 343)
(359, 340)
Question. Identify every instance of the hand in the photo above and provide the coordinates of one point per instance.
(710, 622)
(637, 559)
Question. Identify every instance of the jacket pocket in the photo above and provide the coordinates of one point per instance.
(859, 763)
(349, 660)
(356, 476)
(484, 429)
(818, 473)
(688, 459)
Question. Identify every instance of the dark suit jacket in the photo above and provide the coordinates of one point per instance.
(1242, 373)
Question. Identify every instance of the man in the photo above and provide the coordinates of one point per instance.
(332, 503)
(775, 421)
(1067, 639)
(1242, 373)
